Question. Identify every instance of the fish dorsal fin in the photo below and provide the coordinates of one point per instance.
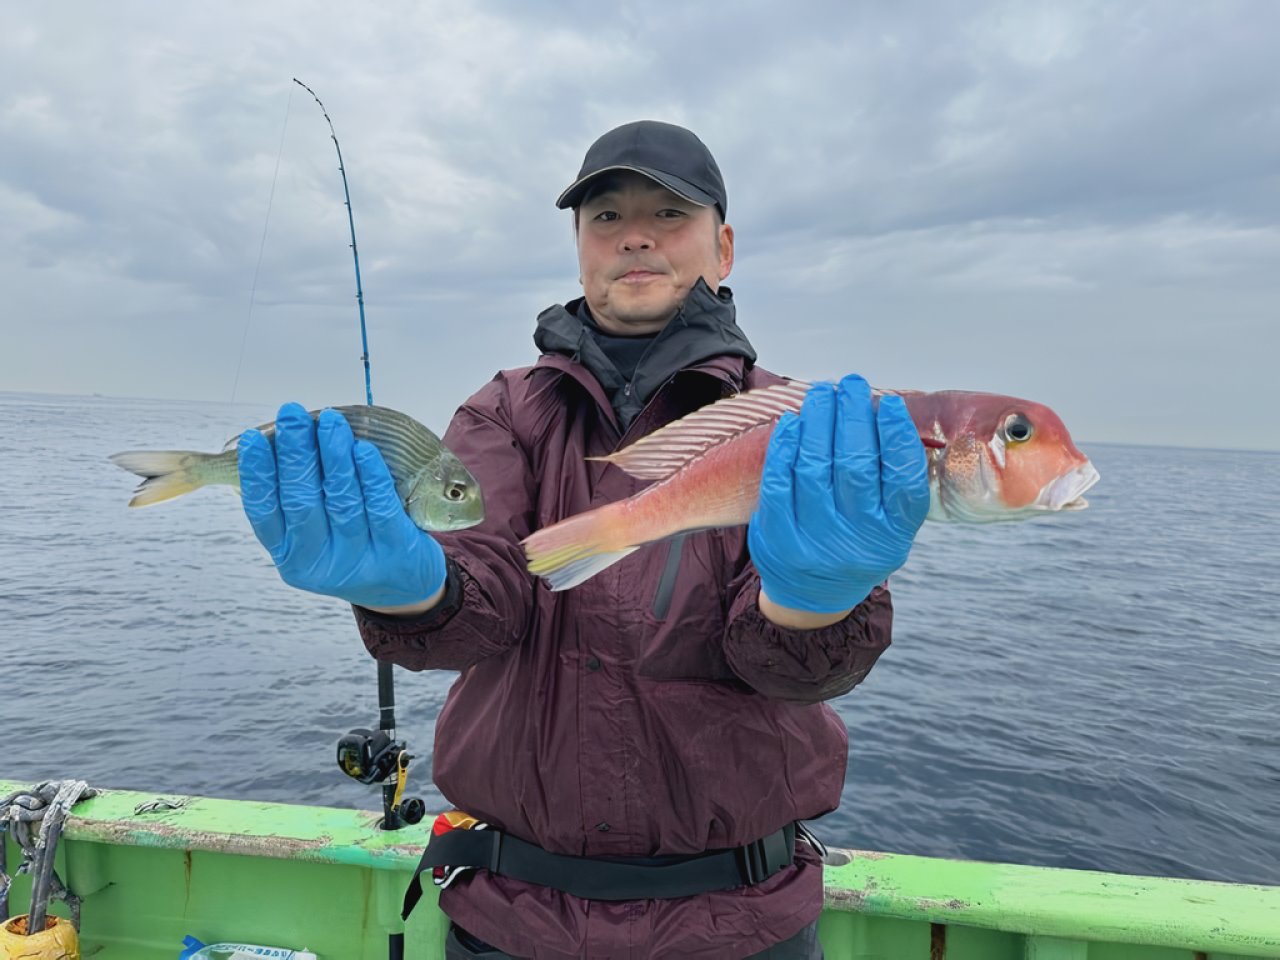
(669, 448)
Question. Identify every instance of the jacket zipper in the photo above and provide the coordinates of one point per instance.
(667, 582)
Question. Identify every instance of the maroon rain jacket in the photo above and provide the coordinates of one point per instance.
(651, 710)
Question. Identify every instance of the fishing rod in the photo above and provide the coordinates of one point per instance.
(366, 756)
(355, 251)
(375, 757)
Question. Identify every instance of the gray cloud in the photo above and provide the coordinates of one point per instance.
(1077, 201)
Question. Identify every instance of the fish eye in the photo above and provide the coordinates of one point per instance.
(455, 492)
(1017, 428)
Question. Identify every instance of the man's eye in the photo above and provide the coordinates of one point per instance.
(671, 214)
(606, 215)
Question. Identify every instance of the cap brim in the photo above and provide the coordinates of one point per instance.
(572, 197)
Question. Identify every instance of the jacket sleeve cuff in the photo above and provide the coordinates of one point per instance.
(420, 642)
(437, 616)
(806, 666)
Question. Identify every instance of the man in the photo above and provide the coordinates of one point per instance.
(670, 706)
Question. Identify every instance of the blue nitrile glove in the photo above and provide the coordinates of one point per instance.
(843, 492)
(325, 507)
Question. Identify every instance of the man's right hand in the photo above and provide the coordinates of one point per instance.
(326, 508)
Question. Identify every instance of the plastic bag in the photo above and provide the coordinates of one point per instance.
(195, 950)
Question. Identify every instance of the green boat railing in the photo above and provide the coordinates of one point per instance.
(328, 880)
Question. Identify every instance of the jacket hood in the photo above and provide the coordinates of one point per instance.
(705, 327)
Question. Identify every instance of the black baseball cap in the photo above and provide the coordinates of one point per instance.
(663, 152)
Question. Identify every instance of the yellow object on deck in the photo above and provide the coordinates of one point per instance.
(57, 941)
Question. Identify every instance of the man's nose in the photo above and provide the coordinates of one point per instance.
(635, 240)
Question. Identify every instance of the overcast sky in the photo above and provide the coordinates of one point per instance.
(1074, 202)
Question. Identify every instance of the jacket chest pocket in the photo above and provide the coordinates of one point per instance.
(685, 628)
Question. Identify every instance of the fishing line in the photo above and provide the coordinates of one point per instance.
(253, 289)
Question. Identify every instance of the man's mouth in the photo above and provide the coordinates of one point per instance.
(639, 276)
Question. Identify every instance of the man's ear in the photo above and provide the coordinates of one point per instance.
(725, 240)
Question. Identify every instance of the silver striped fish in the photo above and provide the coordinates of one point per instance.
(438, 492)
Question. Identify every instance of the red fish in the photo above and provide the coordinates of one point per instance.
(991, 458)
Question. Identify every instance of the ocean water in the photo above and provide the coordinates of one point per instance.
(1099, 690)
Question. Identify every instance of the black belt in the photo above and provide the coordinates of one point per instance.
(607, 878)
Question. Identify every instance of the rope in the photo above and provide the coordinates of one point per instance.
(47, 805)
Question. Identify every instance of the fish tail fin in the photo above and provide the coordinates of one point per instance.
(574, 550)
(166, 473)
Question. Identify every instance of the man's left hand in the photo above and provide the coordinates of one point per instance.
(845, 488)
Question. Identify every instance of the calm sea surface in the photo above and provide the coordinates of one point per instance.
(1100, 690)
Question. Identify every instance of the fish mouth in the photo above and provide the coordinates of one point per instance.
(1066, 492)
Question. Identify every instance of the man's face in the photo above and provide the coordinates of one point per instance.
(641, 248)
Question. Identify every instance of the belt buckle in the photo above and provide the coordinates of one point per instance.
(761, 859)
